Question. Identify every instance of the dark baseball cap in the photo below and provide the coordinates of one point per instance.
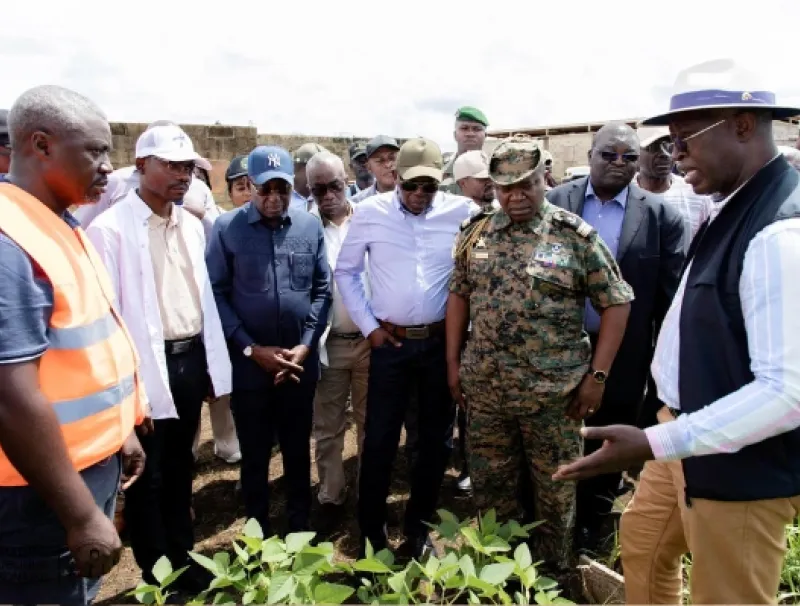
(356, 150)
(4, 138)
(237, 168)
(381, 141)
(267, 162)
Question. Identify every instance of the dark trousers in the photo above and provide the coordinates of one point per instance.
(595, 496)
(260, 415)
(157, 506)
(35, 565)
(390, 376)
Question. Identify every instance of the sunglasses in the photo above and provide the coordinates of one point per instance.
(321, 189)
(609, 156)
(427, 187)
(279, 186)
(679, 143)
(176, 168)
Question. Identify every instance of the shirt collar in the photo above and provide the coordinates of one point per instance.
(621, 198)
(253, 216)
(326, 222)
(405, 212)
(142, 212)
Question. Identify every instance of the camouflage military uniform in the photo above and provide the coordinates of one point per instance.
(526, 284)
(448, 183)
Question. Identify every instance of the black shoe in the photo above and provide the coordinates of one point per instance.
(331, 517)
(193, 580)
(418, 548)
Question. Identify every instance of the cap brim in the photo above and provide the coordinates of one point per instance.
(184, 157)
(235, 176)
(781, 112)
(421, 171)
(484, 174)
(650, 140)
(259, 180)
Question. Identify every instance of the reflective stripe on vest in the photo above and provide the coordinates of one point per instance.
(88, 372)
(79, 337)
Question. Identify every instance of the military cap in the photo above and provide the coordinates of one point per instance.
(356, 150)
(237, 168)
(4, 138)
(471, 114)
(514, 159)
(305, 152)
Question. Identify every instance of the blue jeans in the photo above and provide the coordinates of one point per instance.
(35, 565)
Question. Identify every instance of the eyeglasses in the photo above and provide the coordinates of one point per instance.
(679, 143)
(177, 168)
(428, 187)
(279, 186)
(609, 156)
(320, 189)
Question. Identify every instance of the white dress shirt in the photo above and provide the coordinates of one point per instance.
(339, 320)
(121, 237)
(123, 180)
(410, 260)
(769, 290)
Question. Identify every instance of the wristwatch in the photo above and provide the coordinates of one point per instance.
(599, 376)
(248, 351)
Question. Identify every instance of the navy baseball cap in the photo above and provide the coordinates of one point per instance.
(267, 162)
(237, 168)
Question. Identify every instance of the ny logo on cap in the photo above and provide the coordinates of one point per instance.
(274, 160)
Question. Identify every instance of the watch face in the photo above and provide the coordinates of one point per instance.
(248, 351)
(599, 376)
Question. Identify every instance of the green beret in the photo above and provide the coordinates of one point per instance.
(471, 114)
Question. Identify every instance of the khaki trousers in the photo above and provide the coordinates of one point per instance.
(737, 547)
(226, 443)
(346, 375)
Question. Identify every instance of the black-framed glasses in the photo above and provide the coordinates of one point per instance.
(176, 168)
(427, 187)
(278, 186)
(320, 189)
(610, 156)
(679, 143)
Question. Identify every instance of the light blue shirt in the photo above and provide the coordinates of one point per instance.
(607, 219)
(298, 202)
(410, 260)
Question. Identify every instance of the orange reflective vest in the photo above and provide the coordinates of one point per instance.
(89, 371)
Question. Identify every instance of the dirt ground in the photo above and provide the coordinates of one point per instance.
(220, 514)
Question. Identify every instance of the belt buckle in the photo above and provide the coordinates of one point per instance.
(417, 332)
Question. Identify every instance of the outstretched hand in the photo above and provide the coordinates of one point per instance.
(623, 447)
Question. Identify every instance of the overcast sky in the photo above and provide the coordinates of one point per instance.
(358, 67)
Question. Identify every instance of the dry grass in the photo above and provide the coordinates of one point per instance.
(220, 514)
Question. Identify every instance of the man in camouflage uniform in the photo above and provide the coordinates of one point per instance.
(522, 275)
(469, 133)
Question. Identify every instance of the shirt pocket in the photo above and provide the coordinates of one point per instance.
(255, 271)
(555, 292)
(301, 266)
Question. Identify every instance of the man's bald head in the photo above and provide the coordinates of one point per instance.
(51, 109)
(60, 144)
(613, 159)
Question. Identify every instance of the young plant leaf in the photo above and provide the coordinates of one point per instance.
(496, 574)
(332, 593)
(522, 555)
(252, 529)
(205, 562)
(162, 569)
(297, 540)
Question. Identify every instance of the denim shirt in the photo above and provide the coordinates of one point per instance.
(272, 286)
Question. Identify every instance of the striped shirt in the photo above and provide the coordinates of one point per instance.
(768, 406)
(694, 209)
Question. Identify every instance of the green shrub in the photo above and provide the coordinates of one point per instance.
(479, 565)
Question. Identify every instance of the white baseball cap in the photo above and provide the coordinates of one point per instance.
(169, 142)
(650, 134)
(471, 164)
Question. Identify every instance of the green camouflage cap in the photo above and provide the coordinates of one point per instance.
(514, 159)
(471, 114)
(305, 152)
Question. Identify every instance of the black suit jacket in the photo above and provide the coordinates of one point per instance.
(650, 257)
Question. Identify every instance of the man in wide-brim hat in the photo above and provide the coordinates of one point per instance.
(725, 479)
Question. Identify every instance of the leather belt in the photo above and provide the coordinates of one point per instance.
(346, 335)
(181, 346)
(421, 331)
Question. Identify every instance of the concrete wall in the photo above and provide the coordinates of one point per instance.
(219, 144)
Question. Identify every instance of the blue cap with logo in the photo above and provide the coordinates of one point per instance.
(267, 162)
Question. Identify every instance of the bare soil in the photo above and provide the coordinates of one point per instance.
(219, 513)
